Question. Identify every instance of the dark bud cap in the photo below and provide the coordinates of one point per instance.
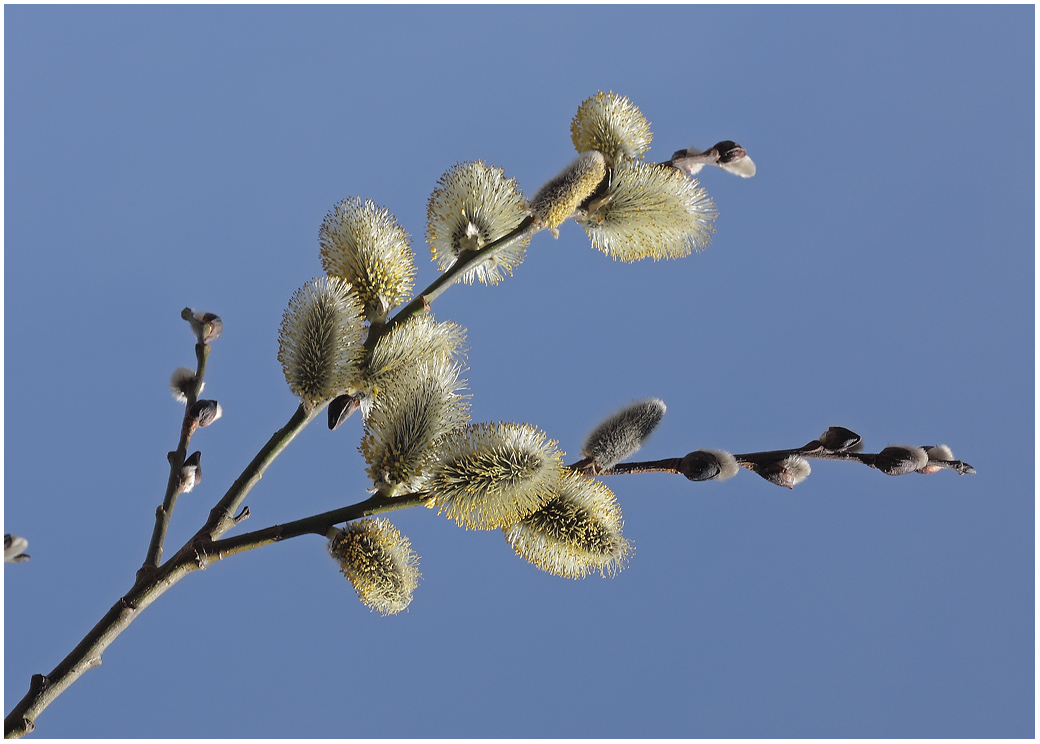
(840, 439)
(14, 549)
(705, 465)
(729, 151)
(341, 409)
(900, 460)
(734, 159)
(204, 412)
(191, 472)
(195, 461)
(700, 466)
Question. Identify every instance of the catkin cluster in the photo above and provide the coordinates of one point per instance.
(339, 344)
(630, 210)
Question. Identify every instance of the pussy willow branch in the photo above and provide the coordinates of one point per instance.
(149, 586)
(154, 579)
(164, 513)
(318, 524)
(87, 654)
(671, 464)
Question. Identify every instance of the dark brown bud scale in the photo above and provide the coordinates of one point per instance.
(840, 439)
(700, 466)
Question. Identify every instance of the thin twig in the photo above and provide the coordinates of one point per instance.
(318, 524)
(164, 513)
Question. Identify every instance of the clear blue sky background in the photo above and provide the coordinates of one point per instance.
(877, 273)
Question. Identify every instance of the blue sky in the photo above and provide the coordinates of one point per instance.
(877, 273)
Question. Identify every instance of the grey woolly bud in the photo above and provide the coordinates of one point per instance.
(705, 465)
(938, 458)
(900, 460)
(182, 382)
(787, 473)
(621, 435)
(939, 452)
(191, 473)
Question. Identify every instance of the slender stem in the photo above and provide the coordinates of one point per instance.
(151, 584)
(749, 459)
(222, 516)
(318, 524)
(164, 513)
(466, 261)
(43, 690)
(668, 465)
(196, 554)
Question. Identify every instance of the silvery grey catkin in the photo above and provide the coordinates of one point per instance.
(621, 435)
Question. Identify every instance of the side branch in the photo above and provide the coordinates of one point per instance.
(165, 512)
(318, 524)
(222, 516)
(43, 690)
(788, 467)
(465, 261)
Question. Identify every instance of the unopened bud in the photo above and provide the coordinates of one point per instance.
(727, 155)
(900, 460)
(206, 326)
(734, 159)
(14, 549)
(182, 382)
(204, 413)
(940, 453)
(341, 409)
(191, 473)
(788, 472)
(623, 434)
(704, 465)
(840, 439)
